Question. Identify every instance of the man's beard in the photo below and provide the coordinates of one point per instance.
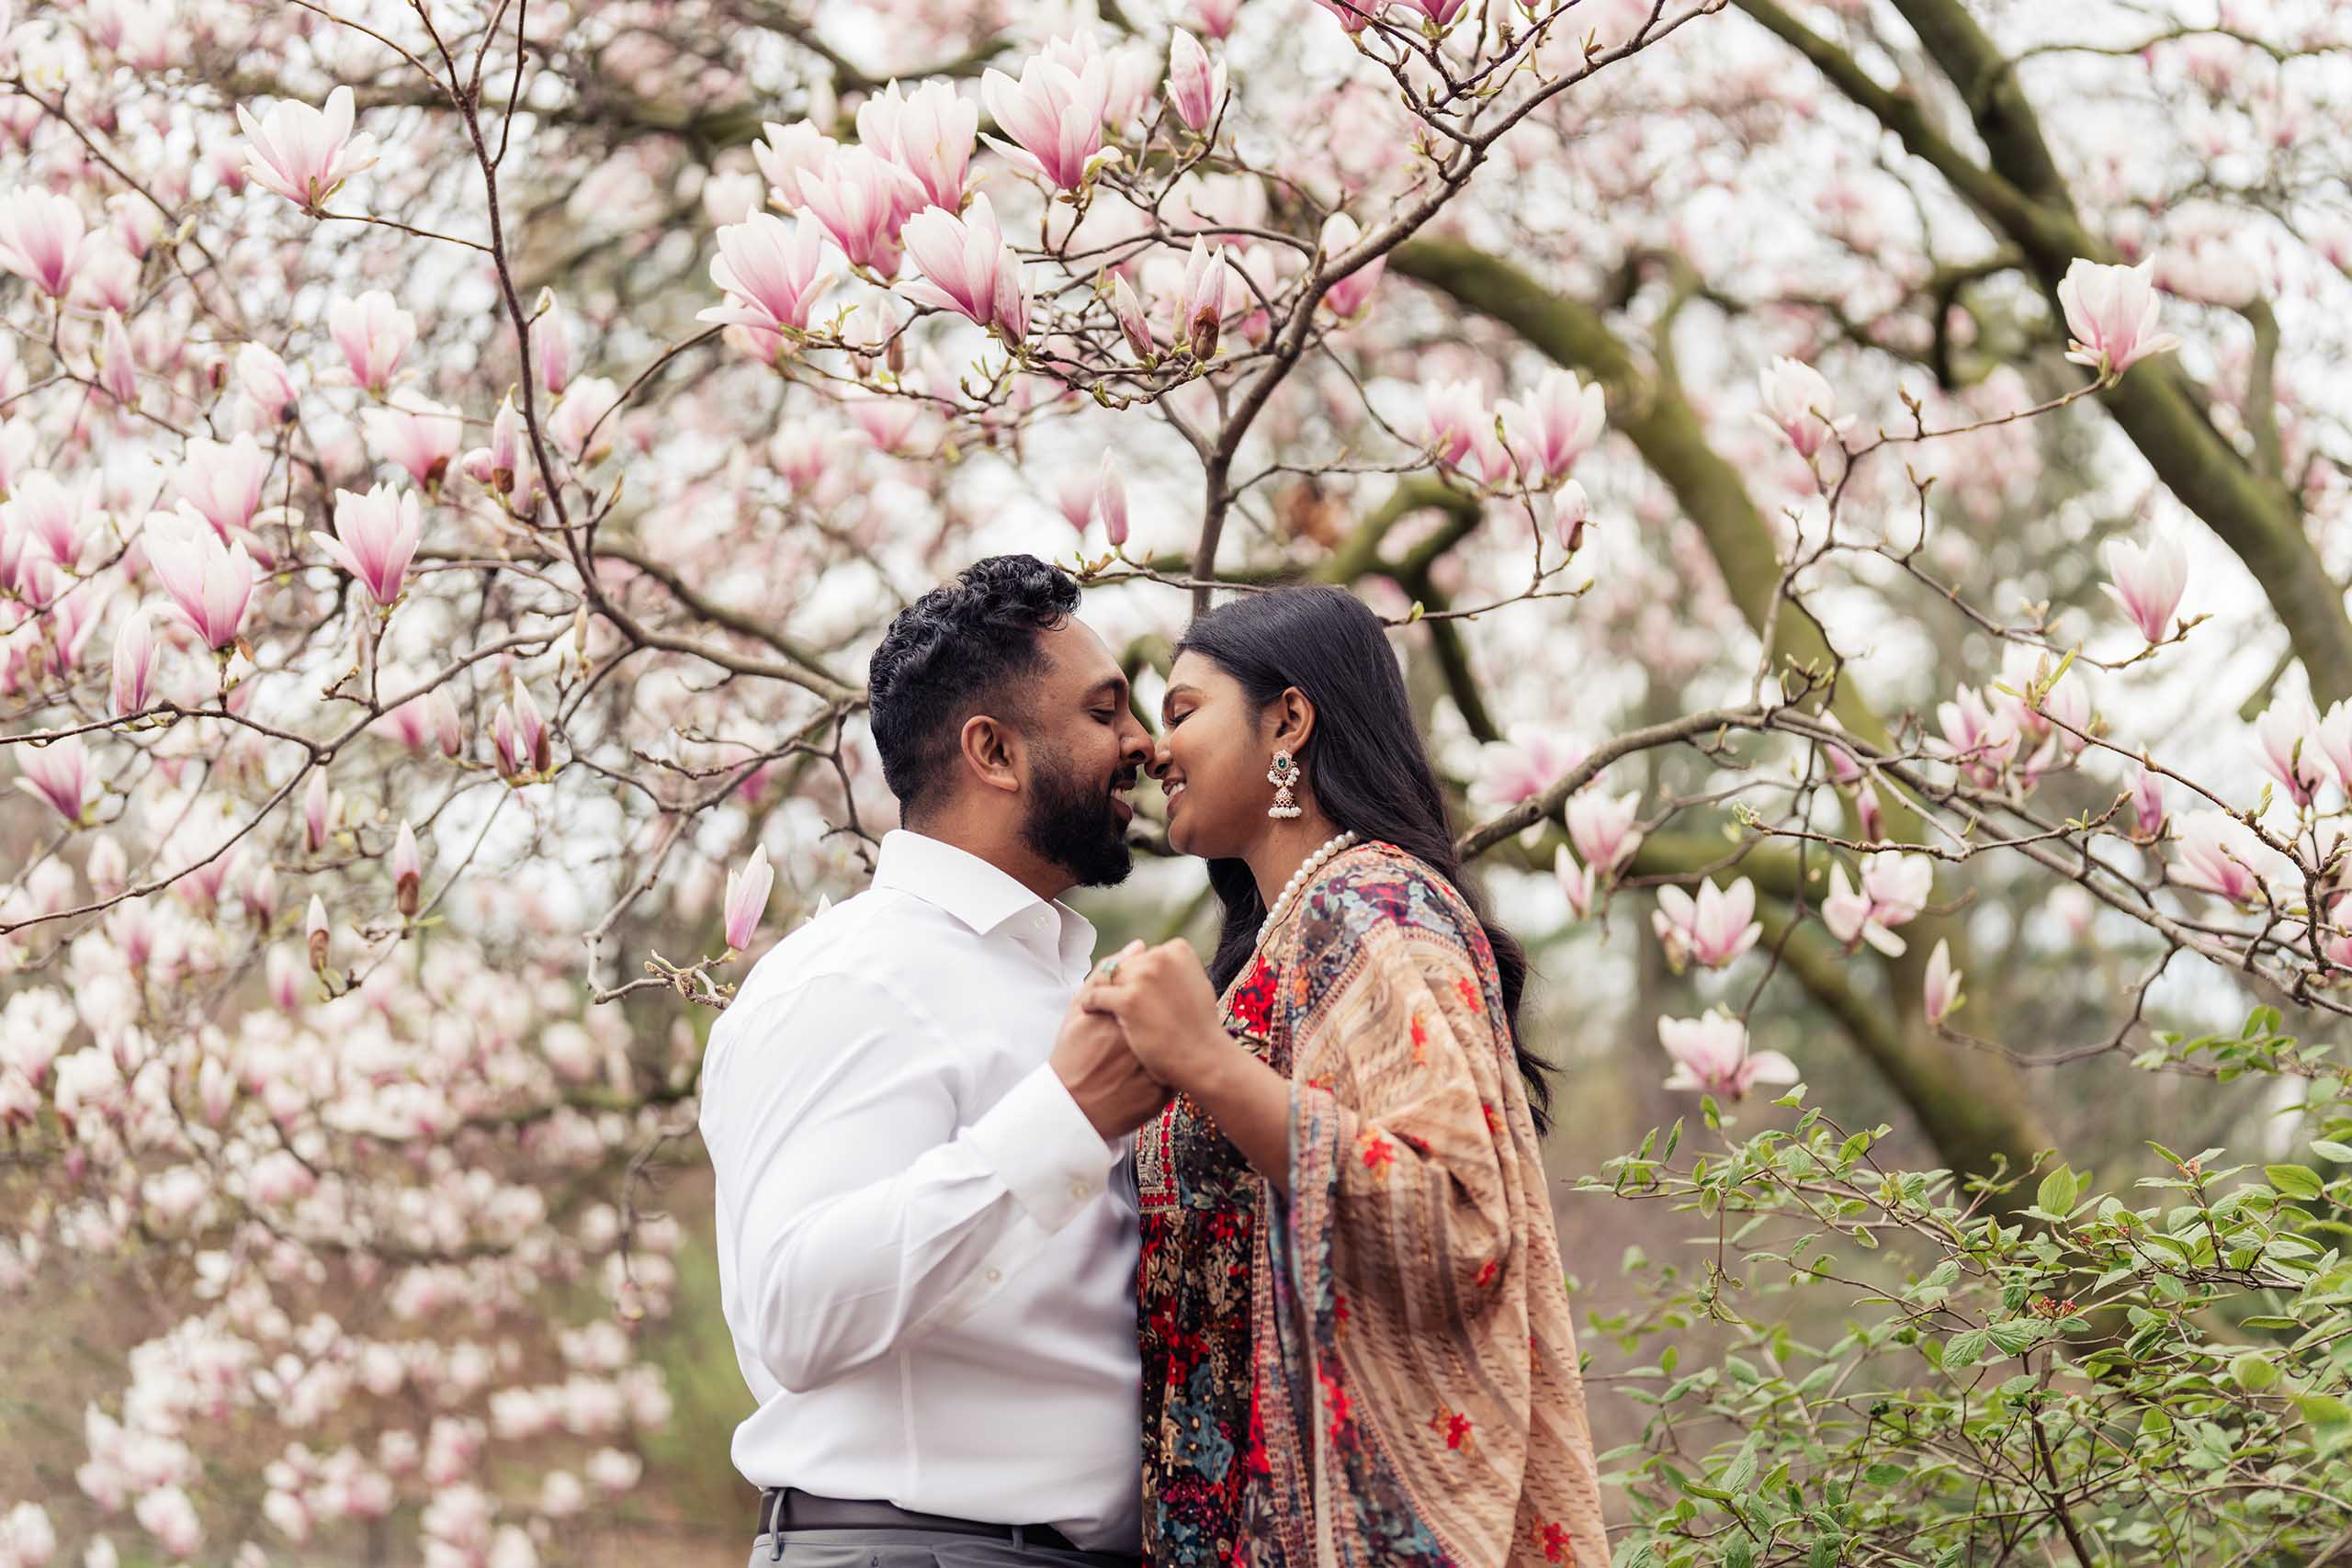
(1070, 824)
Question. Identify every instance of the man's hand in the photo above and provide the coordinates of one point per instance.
(1091, 1058)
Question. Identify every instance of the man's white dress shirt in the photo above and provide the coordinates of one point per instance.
(928, 1275)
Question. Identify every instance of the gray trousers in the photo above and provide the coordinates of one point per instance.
(918, 1549)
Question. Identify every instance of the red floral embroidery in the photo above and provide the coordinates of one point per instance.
(1487, 1270)
(1338, 1309)
(1470, 997)
(1455, 1428)
(1554, 1536)
(1494, 1122)
(1377, 1152)
(1420, 1042)
(1253, 1000)
(1335, 1400)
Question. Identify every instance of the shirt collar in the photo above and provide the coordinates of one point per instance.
(982, 895)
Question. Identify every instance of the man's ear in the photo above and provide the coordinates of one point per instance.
(991, 750)
(1293, 720)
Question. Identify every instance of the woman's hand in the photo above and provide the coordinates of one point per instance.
(1164, 1000)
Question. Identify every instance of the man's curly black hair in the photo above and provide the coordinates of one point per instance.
(962, 648)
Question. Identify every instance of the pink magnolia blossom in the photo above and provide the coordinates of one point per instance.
(27, 1538)
(1201, 299)
(2112, 313)
(415, 435)
(118, 365)
(1055, 116)
(167, 1513)
(1195, 88)
(1523, 764)
(1455, 422)
(521, 736)
(318, 935)
(550, 343)
(1353, 14)
(1110, 498)
(1441, 13)
(305, 154)
(43, 239)
(1133, 325)
(1941, 992)
(373, 331)
(1974, 738)
(581, 426)
(411, 724)
(771, 272)
(1571, 509)
(2288, 746)
(1557, 423)
(1348, 295)
(968, 269)
(862, 200)
(2148, 806)
(789, 153)
(47, 514)
(888, 423)
(211, 584)
(1800, 403)
(375, 539)
(1894, 889)
(1899, 885)
(314, 811)
(1603, 828)
(1710, 1055)
(2147, 581)
(1710, 931)
(1217, 16)
(1581, 887)
(927, 132)
(747, 898)
(1869, 814)
(266, 381)
(2217, 854)
(133, 687)
(443, 709)
(2332, 736)
(58, 772)
(408, 870)
(223, 481)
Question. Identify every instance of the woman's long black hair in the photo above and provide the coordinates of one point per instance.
(1364, 760)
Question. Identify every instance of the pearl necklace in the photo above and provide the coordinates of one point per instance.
(1299, 878)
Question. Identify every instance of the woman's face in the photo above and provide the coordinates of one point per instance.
(1212, 760)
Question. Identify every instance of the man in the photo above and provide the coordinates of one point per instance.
(922, 1260)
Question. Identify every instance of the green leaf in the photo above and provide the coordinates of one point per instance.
(1965, 1349)
(2328, 1148)
(2294, 1180)
(1739, 1554)
(2058, 1192)
(2331, 1418)
(2253, 1371)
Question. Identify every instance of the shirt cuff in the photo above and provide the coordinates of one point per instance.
(1043, 1149)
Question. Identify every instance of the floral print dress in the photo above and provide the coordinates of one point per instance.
(1379, 1370)
(1200, 1202)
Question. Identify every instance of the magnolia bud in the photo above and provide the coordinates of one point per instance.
(319, 935)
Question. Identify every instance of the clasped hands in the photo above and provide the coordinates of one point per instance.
(1146, 1023)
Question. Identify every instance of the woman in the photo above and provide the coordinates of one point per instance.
(1356, 1339)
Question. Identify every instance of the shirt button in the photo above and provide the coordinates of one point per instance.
(994, 1275)
(1079, 1190)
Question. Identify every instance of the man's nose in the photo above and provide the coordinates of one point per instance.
(1140, 747)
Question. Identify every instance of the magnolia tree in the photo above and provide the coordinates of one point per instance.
(1857, 487)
